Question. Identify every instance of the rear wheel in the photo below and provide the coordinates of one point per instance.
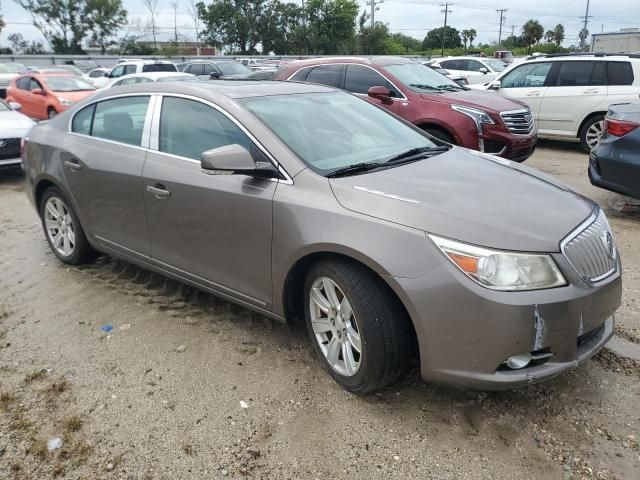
(51, 112)
(358, 329)
(591, 132)
(63, 230)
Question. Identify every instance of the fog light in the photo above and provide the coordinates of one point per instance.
(518, 361)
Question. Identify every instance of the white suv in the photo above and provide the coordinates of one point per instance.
(135, 66)
(569, 94)
(476, 70)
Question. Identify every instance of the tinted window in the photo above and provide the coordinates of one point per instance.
(581, 74)
(454, 64)
(23, 83)
(207, 68)
(33, 84)
(82, 120)
(129, 69)
(188, 128)
(619, 73)
(301, 75)
(359, 79)
(96, 74)
(120, 119)
(159, 67)
(526, 76)
(196, 69)
(474, 66)
(325, 74)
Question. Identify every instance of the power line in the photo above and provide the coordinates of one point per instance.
(373, 4)
(584, 31)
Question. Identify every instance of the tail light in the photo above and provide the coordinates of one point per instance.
(619, 128)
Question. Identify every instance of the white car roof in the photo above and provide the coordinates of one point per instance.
(152, 76)
(576, 58)
(143, 62)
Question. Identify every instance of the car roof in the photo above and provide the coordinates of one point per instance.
(373, 60)
(154, 75)
(583, 57)
(45, 75)
(233, 89)
(143, 62)
(217, 60)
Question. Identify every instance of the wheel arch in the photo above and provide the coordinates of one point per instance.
(293, 288)
(587, 118)
(432, 124)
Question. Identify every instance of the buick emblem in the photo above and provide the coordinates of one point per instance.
(607, 241)
(3, 144)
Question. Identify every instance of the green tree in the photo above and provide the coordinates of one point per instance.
(434, 38)
(371, 39)
(558, 33)
(532, 33)
(2, 24)
(233, 23)
(410, 44)
(468, 36)
(34, 48)
(18, 43)
(331, 26)
(107, 17)
(281, 28)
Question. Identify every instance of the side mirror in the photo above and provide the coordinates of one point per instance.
(484, 70)
(381, 93)
(214, 75)
(236, 159)
(495, 85)
(37, 91)
(15, 106)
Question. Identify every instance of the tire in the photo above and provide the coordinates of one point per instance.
(51, 112)
(73, 249)
(382, 327)
(588, 130)
(440, 135)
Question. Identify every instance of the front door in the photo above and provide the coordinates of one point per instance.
(360, 78)
(103, 167)
(212, 229)
(527, 83)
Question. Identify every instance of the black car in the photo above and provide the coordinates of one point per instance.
(217, 69)
(615, 163)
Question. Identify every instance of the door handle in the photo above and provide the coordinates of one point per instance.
(73, 165)
(534, 94)
(159, 191)
(593, 90)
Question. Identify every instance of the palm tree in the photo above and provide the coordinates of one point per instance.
(472, 36)
(465, 34)
(532, 32)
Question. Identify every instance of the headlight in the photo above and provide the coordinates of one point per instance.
(479, 117)
(64, 101)
(502, 270)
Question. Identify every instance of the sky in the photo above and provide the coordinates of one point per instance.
(411, 17)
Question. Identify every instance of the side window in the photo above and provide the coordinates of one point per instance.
(301, 74)
(207, 68)
(579, 74)
(359, 79)
(96, 74)
(117, 72)
(197, 69)
(129, 69)
(325, 75)
(454, 64)
(619, 73)
(526, 76)
(34, 84)
(188, 128)
(82, 120)
(474, 66)
(23, 83)
(120, 119)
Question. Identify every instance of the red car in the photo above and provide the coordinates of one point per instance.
(44, 95)
(475, 119)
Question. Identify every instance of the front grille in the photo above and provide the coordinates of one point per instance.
(590, 249)
(518, 122)
(9, 148)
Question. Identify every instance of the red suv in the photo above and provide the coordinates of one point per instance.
(475, 119)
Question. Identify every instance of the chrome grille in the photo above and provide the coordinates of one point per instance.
(519, 122)
(590, 249)
(9, 148)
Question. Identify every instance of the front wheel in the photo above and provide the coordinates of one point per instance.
(51, 113)
(591, 132)
(358, 329)
(63, 230)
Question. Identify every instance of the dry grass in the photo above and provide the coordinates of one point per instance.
(72, 424)
(6, 399)
(35, 376)
(38, 448)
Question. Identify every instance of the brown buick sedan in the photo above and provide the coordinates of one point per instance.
(302, 201)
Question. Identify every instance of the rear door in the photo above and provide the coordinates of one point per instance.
(578, 89)
(620, 81)
(330, 75)
(103, 168)
(527, 83)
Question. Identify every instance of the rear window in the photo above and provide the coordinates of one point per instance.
(619, 73)
(325, 75)
(159, 67)
(572, 74)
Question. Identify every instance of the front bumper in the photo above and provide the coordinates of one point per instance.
(10, 163)
(466, 332)
(496, 140)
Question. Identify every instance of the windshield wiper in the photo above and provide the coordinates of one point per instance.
(424, 87)
(416, 153)
(452, 87)
(353, 169)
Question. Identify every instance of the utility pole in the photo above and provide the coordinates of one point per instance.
(444, 29)
(373, 4)
(513, 30)
(501, 11)
(584, 32)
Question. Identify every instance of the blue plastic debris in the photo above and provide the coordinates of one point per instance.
(107, 328)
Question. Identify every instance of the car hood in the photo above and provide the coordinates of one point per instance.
(14, 124)
(485, 100)
(472, 197)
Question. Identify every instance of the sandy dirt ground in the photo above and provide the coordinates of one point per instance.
(162, 395)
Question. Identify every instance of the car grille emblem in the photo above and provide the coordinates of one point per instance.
(3, 144)
(607, 241)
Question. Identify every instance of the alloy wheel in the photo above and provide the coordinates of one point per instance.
(335, 327)
(59, 226)
(594, 132)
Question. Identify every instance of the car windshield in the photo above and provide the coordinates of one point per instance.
(68, 84)
(334, 130)
(233, 68)
(420, 78)
(159, 67)
(178, 78)
(495, 64)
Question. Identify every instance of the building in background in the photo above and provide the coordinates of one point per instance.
(627, 40)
